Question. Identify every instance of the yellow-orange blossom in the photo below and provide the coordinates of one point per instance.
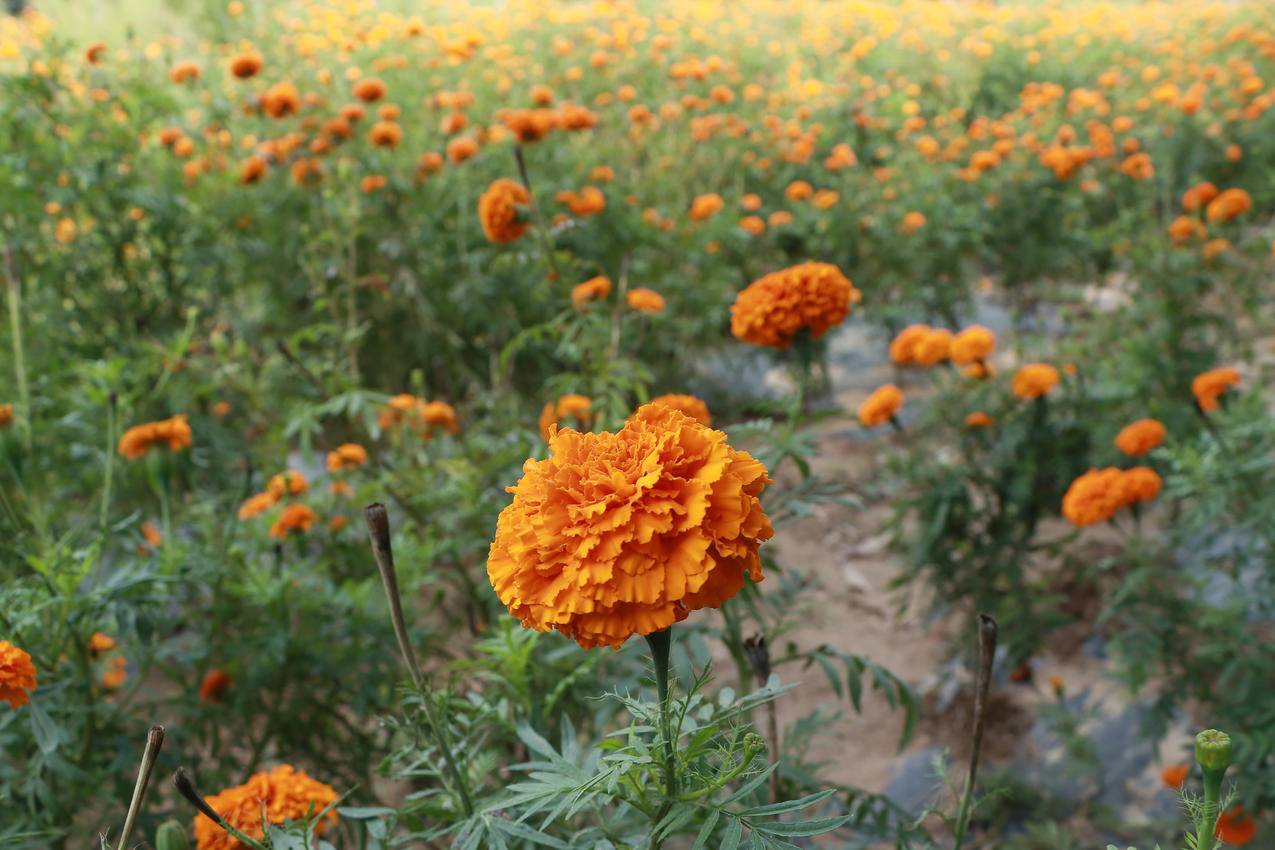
(625, 533)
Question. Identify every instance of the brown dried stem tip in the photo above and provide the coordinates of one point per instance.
(154, 743)
(987, 633)
(378, 530)
(186, 787)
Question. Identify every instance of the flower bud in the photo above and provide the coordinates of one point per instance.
(171, 836)
(754, 743)
(1213, 750)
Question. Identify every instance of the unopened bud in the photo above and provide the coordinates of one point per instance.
(754, 743)
(1213, 750)
(171, 836)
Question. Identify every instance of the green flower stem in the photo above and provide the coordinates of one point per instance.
(987, 632)
(19, 358)
(1213, 753)
(661, 642)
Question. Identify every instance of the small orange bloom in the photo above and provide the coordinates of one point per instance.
(593, 289)
(500, 209)
(933, 347)
(346, 456)
(904, 345)
(1207, 387)
(571, 405)
(257, 505)
(17, 675)
(115, 677)
(1235, 828)
(773, 309)
(704, 207)
(972, 345)
(295, 517)
(287, 483)
(173, 432)
(978, 419)
(1174, 775)
(1228, 205)
(369, 89)
(1035, 380)
(1138, 438)
(6, 415)
(644, 300)
(912, 222)
(100, 643)
(245, 65)
(214, 685)
(881, 406)
(385, 134)
(282, 794)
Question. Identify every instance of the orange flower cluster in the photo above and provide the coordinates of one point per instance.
(881, 406)
(1034, 380)
(1099, 494)
(17, 675)
(214, 685)
(280, 795)
(688, 405)
(775, 308)
(644, 300)
(1174, 775)
(1207, 387)
(346, 456)
(704, 207)
(593, 289)
(295, 517)
(573, 405)
(1138, 438)
(625, 533)
(427, 417)
(972, 345)
(173, 432)
(1228, 205)
(588, 201)
(500, 210)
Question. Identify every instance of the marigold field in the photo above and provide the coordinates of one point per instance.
(637, 425)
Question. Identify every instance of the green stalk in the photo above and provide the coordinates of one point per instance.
(660, 643)
(110, 461)
(19, 358)
(986, 655)
(1213, 753)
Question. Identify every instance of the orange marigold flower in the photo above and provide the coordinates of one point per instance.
(706, 206)
(972, 345)
(1235, 828)
(440, 414)
(881, 406)
(17, 675)
(287, 483)
(1094, 497)
(6, 415)
(775, 308)
(93, 53)
(245, 65)
(385, 134)
(116, 675)
(903, 346)
(425, 416)
(369, 89)
(588, 201)
(1140, 484)
(1207, 387)
(253, 169)
(573, 405)
(281, 795)
(173, 432)
(500, 210)
(530, 125)
(340, 488)
(1034, 380)
(1174, 775)
(912, 222)
(461, 149)
(1198, 196)
(346, 456)
(978, 419)
(644, 300)
(257, 505)
(593, 289)
(214, 685)
(933, 347)
(183, 71)
(1140, 437)
(688, 404)
(101, 642)
(625, 533)
(151, 533)
(295, 517)
(1184, 229)
(1228, 205)
(281, 99)
(754, 224)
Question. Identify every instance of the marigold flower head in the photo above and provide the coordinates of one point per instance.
(1139, 437)
(1034, 380)
(881, 406)
(1140, 484)
(183, 71)
(775, 308)
(933, 347)
(644, 300)
(369, 89)
(295, 517)
(1185, 228)
(287, 483)
(903, 346)
(1227, 205)
(385, 134)
(1174, 775)
(978, 419)
(257, 504)
(690, 405)
(214, 685)
(17, 675)
(280, 795)
(1207, 387)
(101, 642)
(1198, 196)
(572, 405)
(427, 417)
(1236, 828)
(252, 170)
(500, 210)
(173, 432)
(1094, 497)
(281, 99)
(912, 222)
(245, 65)
(116, 674)
(593, 289)
(974, 344)
(346, 456)
(6, 415)
(625, 533)
(706, 206)
(588, 201)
